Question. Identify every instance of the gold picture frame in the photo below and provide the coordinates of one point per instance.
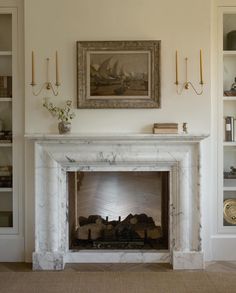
(118, 74)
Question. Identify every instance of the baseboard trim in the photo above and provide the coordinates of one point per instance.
(223, 248)
(12, 249)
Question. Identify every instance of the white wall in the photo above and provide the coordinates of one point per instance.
(52, 25)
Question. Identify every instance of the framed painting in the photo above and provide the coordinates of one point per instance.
(118, 74)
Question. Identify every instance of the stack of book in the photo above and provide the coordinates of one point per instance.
(229, 128)
(165, 128)
(5, 136)
(5, 176)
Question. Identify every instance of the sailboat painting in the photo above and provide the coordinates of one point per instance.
(119, 74)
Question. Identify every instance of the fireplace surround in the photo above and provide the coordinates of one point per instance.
(55, 155)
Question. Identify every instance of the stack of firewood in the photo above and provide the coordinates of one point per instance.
(133, 227)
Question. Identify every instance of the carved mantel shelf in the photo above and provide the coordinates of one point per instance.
(118, 137)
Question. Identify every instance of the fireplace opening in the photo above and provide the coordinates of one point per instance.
(118, 210)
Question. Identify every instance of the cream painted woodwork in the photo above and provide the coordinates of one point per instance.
(227, 107)
(11, 112)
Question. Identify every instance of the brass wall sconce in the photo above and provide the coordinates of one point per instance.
(47, 84)
(188, 84)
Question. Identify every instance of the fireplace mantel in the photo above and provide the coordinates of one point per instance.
(117, 137)
(55, 155)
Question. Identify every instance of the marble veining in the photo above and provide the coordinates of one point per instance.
(57, 154)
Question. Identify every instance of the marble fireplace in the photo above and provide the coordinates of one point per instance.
(55, 155)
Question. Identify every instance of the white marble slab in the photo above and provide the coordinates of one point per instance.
(114, 137)
(116, 256)
(56, 154)
(190, 260)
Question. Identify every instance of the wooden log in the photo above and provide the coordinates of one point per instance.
(154, 233)
(83, 233)
(149, 232)
(133, 226)
(133, 220)
(90, 220)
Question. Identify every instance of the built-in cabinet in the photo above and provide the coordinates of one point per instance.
(6, 164)
(10, 124)
(227, 120)
(12, 244)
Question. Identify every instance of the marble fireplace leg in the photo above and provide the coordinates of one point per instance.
(189, 260)
(49, 186)
(48, 261)
(185, 255)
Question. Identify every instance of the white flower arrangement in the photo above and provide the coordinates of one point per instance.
(64, 114)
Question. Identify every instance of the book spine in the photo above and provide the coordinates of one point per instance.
(229, 125)
(5, 86)
(232, 126)
(166, 125)
(165, 131)
(1, 81)
(9, 86)
(234, 129)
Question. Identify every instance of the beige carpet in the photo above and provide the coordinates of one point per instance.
(117, 282)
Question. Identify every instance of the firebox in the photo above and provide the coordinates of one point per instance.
(118, 210)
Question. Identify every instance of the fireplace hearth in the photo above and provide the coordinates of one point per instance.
(56, 155)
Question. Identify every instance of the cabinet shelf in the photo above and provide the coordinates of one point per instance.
(6, 99)
(5, 53)
(229, 143)
(4, 145)
(229, 53)
(231, 188)
(229, 98)
(229, 185)
(6, 189)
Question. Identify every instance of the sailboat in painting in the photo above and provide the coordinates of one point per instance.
(112, 78)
